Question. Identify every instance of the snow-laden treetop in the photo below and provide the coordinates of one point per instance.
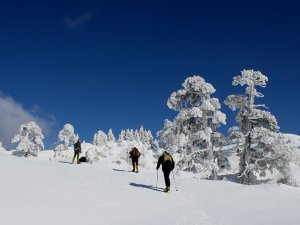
(195, 91)
(251, 78)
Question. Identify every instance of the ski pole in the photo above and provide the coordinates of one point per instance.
(175, 185)
(156, 178)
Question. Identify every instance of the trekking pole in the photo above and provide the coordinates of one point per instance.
(175, 185)
(156, 178)
(128, 162)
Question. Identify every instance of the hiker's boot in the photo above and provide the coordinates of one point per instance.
(167, 189)
(133, 168)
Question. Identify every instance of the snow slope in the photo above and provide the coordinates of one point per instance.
(38, 191)
(294, 139)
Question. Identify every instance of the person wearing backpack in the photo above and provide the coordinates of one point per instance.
(134, 154)
(77, 151)
(168, 165)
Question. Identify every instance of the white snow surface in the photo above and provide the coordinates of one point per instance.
(295, 139)
(47, 190)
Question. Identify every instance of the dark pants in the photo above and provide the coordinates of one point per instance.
(166, 176)
(76, 153)
(135, 160)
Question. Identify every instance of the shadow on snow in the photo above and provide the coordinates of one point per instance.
(121, 170)
(147, 187)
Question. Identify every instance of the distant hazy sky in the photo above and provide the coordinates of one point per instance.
(113, 64)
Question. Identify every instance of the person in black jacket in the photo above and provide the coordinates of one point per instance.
(77, 151)
(168, 164)
(134, 154)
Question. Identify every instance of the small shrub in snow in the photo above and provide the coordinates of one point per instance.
(92, 155)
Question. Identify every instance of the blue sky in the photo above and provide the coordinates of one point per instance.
(113, 64)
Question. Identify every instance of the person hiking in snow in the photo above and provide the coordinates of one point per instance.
(77, 151)
(168, 165)
(134, 154)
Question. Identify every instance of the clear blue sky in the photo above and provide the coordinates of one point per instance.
(102, 64)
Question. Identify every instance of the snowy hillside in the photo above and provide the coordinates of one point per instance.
(38, 191)
(295, 139)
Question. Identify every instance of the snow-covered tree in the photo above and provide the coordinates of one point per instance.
(236, 136)
(195, 125)
(137, 136)
(100, 138)
(129, 135)
(121, 136)
(167, 137)
(30, 139)
(271, 153)
(149, 136)
(110, 136)
(263, 149)
(145, 136)
(218, 140)
(67, 135)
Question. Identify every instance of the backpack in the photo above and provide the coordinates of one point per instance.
(167, 157)
(135, 152)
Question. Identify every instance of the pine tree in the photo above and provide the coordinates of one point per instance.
(195, 125)
(121, 136)
(100, 138)
(264, 148)
(110, 136)
(235, 135)
(137, 135)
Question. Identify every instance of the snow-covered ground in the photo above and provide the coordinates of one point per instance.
(37, 191)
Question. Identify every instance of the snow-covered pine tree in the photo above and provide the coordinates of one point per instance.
(236, 136)
(167, 137)
(195, 125)
(137, 136)
(110, 136)
(67, 135)
(30, 139)
(141, 130)
(149, 137)
(129, 135)
(264, 148)
(100, 138)
(142, 134)
(121, 136)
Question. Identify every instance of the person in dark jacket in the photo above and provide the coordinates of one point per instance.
(168, 165)
(134, 154)
(77, 151)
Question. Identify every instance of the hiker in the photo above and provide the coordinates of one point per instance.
(168, 164)
(134, 154)
(77, 151)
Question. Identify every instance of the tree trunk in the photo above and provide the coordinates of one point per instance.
(245, 160)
